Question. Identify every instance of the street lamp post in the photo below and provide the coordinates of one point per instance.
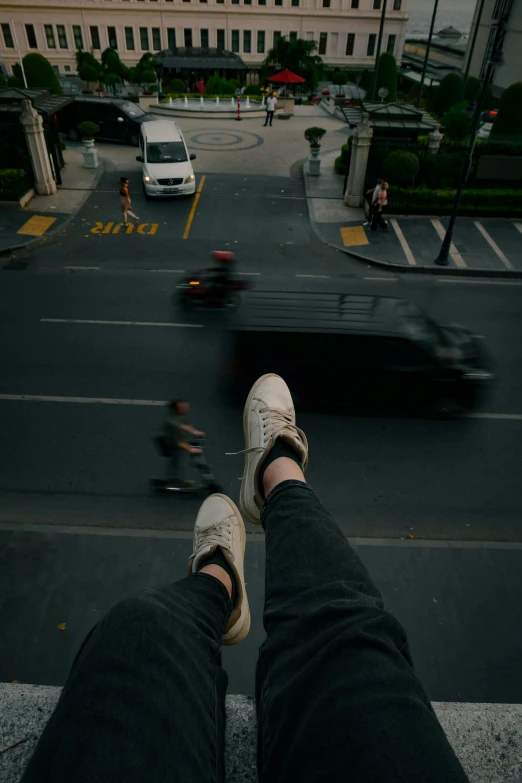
(472, 46)
(379, 46)
(428, 47)
(495, 61)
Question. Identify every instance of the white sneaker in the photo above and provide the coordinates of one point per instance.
(219, 523)
(269, 414)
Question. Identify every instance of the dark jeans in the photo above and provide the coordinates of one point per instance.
(377, 219)
(269, 117)
(337, 698)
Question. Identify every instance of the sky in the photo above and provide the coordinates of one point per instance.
(458, 13)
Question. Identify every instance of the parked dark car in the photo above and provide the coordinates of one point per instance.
(119, 119)
(357, 350)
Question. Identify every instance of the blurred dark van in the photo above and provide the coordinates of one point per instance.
(365, 351)
(119, 119)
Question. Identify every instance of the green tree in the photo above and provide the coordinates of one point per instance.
(113, 71)
(401, 167)
(447, 94)
(40, 74)
(88, 67)
(509, 117)
(144, 72)
(387, 76)
(339, 78)
(457, 124)
(471, 91)
(298, 56)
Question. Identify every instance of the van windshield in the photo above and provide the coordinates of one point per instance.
(166, 152)
(421, 328)
(131, 109)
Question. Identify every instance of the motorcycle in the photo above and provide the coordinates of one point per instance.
(203, 290)
(205, 478)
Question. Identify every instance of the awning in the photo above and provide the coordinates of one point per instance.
(43, 101)
(195, 58)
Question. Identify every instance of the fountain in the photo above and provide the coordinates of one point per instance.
(217, 100)
(208, 107)
(248, 102)
(201, 101)
(186, 101)
(170, 101)
(232, 103)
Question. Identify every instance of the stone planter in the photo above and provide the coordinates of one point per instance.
(314, 151)
(90, 154)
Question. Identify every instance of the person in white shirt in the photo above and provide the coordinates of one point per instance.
(372, 200)
(271, 102)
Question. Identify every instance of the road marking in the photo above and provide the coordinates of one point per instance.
(406, 248)
(388, 279)
(115, 323)
(193, 208)
(159, 403)
(454, 253)
(470, 281)
(354, 235)
(491, 242)
(81, 267)
(242, 274)
(36, 226)
(115, 228)
(169, 271)
(518, 226)
(323, 276)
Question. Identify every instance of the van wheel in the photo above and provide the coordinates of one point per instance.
(135, 140)
(73, 134)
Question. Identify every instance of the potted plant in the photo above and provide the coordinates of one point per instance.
(313, 136)
(88, 130)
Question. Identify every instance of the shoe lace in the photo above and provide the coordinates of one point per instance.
(275, 421)
(218, 533)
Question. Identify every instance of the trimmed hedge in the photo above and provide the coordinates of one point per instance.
(424, 201)
(9, 178)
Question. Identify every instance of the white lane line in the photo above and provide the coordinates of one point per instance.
(518, 226)
(491, 242)
(388, 279)
(402, 239)
(159, 403)
(82, 267)
(322, 276)
(454, 253)
(470, 281)
(242, 274)
(116, 323)
(168, 271)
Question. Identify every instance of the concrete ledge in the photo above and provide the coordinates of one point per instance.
(487, 737)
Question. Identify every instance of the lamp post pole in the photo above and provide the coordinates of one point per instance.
(379, 46)
(426, 56)
(495, 61)
(472, 46)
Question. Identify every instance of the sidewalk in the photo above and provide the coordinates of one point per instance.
(490, 246)
(45, 215)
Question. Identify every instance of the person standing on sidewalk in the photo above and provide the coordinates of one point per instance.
(371, 197)
(336, 694)
(271, 103)
(125, 201)
(378, 218)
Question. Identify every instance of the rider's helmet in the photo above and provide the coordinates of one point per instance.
(223, 255)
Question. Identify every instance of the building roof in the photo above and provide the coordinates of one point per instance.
(43, 101)
(401, 116)
(197, 58)
(449, 32)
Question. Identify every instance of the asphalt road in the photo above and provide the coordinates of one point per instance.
(66, 462)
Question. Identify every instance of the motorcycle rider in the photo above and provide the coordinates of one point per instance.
(223, 274)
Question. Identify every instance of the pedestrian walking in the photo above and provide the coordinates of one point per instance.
(126, 201)
(371, 196)
(380, 203)
(271, 102)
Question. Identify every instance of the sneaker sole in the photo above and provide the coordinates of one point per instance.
(240, 630)
(248, 457)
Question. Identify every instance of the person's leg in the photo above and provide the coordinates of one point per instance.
(266, 120)
(145, 699)
(271, 117)
(132, 215)
(336, 693)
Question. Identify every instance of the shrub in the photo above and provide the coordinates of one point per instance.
(9, 178)
(339, 165)
(474, 202)
(40, 74)
(457, 124)
(339, 78)
(366, 79)
(176, 85)
(448, 93)
(387, 76)
(509, 117)
(314, 135)
(217, 85)
(442, 170)
(88, 129)
(401, 167)
(253, 89)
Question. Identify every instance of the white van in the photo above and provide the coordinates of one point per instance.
(167, 170)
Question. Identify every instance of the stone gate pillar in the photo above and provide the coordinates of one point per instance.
(434, 140)
(34, 133)
(361, 140)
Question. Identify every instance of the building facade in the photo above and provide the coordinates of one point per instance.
(492, 11)
(346, 31)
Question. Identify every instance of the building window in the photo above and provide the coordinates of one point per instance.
(129, 38)
(31, 36)
(292, 37)
(278, 2)
(370, 49)
(220, 1)
(355, 3)
(144, 39)
(235, 2)
(56, 69)
(391, 43)
(323, 40)
(203, 1)
(187, 33)
(376, 5)
(156, 39)
(350, 44)
(261, 2)
(8, 38)
(247, 41)
(277, 36)
(220, 39)
(260, 41)
(95, 37)
(397, 5)
(295, 2)
(171, 37)
(113, 41)
(326, 3)
(67, 68)
(78, 36)
(204, 39)
(235, 41)
(49, 36)
(62, 36)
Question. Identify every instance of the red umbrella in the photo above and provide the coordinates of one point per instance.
(287, 77)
